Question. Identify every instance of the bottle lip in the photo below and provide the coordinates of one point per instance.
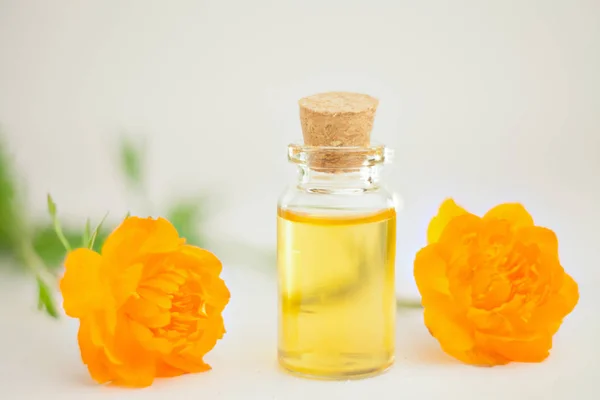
(376, 154)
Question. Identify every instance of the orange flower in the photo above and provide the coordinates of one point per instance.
(149, 305)
(493, 288)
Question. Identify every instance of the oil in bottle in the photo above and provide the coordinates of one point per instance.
(337, 297)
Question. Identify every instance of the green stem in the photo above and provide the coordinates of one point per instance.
(31, 259)
(90, 245)
(403, 303)
(45, 280)
(61, 235)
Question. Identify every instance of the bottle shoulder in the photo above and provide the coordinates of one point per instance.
(296, 198)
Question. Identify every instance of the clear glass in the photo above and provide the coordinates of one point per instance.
(336, 239)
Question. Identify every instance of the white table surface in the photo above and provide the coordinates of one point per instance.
(39, 358)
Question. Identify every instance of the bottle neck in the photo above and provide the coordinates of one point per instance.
(355, 180)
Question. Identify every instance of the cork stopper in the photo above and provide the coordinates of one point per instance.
(337, 119)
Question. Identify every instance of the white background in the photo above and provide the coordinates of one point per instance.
(485, 101)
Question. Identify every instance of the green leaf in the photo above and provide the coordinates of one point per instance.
(95, 233)
(56, 222)
(51, 207)
(49, 247)
(131, 161)
(45, 299)
(86, 233)
(11, 208)
(15, 233)
(186, 216)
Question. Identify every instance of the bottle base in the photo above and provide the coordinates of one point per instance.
(330, 374)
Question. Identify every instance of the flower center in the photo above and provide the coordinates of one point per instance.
(187, 311)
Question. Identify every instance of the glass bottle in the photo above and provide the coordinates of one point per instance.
(336, 239)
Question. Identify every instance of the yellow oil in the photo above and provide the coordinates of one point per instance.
(337, 298)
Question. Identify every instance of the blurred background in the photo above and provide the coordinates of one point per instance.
(185, 108)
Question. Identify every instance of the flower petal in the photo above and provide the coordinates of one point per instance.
(456, 336)
(486, 321)
(513, 212)
(449, 328)
(125, 283)
(161, 284)
(164, 370)
(544, 238)
(213, 331)
(138, 366)
(101, 326)
(217, 294)
(455, 247)
(147, 339)
(430, 273)
(459, 232)
(204, 267)
(82, 285)
(535, 349)
(137, 237)
(93, 356)
(200, 260)
(569, 293)
(550, 314)
(157, 297)
(186, 364)
(147, 313)
(447, 211)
